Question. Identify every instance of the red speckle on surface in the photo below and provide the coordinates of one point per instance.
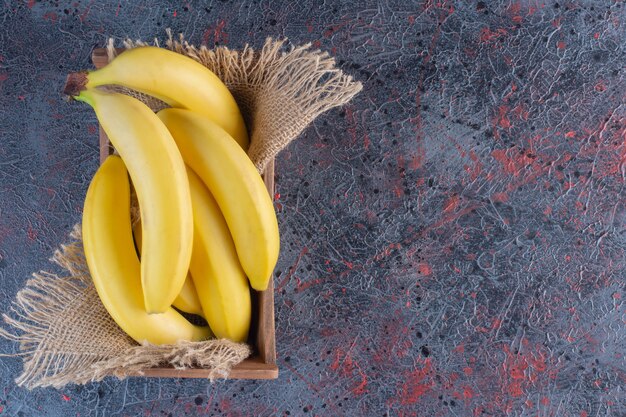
(488, 36)
(560, 45)
(334, 28)
(515, 10)
(302, 286)
(92, 129)
(52, 16)
(417, 160)
(475, 170)
(468, 371)
(175, 13)
(584, 414)
(520, 112)
(571, 134)
(31, 233)
(346, 366)
(30, 4)
(545, 401)
(411, 19)
(84, 14)
(424, 269)
(500, 156)
(293, 269)
(65, 397)
(220, 35)
(468, 393)
(451, 204)
(360, 389)
(417, 383)
(351, 124)
(513, 162)
(596, 35)
(503, 119)
(217, 34)
(500, 198)
(496, 324)
(309, 26)
(600, 87)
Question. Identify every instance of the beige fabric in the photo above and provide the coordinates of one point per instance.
(67, 336)
(64, 333)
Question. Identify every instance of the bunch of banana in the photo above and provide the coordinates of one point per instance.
(208, 229)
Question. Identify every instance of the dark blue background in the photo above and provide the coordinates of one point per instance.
(453, 240)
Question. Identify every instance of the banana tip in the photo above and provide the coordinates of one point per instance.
(75, 83)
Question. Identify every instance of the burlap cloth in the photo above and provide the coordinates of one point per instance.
(64, 333)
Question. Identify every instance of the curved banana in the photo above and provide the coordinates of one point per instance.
(176, 79)
(113, 262)
(160, 180)
(215, 269)
(187, 299)
(237, 187)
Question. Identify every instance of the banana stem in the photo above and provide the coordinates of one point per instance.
(75, 83)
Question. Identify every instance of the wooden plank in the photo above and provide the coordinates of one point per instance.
(100, 58)
(266, 336)
(105, 145)
(262, 366)
(251, 368)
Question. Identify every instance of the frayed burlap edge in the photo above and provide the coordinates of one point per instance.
(279, 92)
(50, 306)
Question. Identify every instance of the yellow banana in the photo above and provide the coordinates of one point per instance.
(215, 269)
(113, 262)
(237, 187)
(187, 299)
(176, 79)
(160, 180)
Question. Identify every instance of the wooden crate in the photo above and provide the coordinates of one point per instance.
(262, 363)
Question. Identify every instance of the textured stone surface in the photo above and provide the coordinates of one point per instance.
(453, 241)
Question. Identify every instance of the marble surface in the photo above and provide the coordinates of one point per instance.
(453, 240)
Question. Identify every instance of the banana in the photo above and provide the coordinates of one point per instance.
(215, 269)
(160, 180)
(113, 262)
(187, 300)
(176, 79)
(237, 187)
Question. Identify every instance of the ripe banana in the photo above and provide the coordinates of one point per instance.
(237, 187)
(160, 180)
(187, 300)
(179, 81)
(215, 269)
(113, 262)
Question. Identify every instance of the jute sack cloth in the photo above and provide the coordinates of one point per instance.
(65, 335)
